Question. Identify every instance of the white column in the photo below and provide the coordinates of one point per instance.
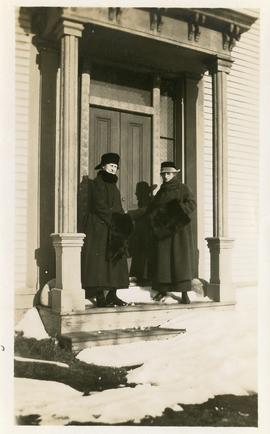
(68, 295)
(156, 131)
(221, 287)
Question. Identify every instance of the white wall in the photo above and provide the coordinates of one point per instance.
(22, 134)
(26, 162)
(243, 143)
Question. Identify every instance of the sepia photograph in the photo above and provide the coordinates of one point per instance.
(135, 223)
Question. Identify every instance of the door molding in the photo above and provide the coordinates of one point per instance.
(84, 124)
(87, 101)
(120, 105)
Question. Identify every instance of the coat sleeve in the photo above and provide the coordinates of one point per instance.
(188, 202)
(101, 208)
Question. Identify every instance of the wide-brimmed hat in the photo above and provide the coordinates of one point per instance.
(169, 167)
(109, 158)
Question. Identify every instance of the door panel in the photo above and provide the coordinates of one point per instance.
(104, 135)
(136, 153)
(130, 136)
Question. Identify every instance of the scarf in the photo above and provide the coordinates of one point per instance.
(108, 177)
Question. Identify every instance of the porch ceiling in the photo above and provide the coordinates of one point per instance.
(101, 45)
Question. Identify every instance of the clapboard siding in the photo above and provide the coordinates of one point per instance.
(26, 160)
(22, 67)
(243, 147)
(243, 120)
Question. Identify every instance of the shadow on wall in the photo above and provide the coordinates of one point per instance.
(140, 240)
(33, 19)
(47, 60)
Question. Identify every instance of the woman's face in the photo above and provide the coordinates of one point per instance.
(167, 176)
(110, 168)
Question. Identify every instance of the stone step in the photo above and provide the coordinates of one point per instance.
(78, 341)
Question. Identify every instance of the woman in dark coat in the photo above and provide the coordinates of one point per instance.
(105, 266)
(173, 254)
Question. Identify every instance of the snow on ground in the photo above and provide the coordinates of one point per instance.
(31, 325)
(47, 362)
(58, 404)
(217, 355)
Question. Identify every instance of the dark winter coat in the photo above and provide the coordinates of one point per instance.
(173, 255)
(104, 262)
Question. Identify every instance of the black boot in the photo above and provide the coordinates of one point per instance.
(100, 299)
(159, 296)
(185, 298)
(113, 300)
(90, 294)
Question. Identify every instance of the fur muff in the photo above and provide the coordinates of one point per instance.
(166, 218)
(120, 230)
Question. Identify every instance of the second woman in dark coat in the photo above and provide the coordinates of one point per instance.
(173, 258)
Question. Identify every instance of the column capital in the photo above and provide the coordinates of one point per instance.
(221, 64)
(67, 239)
(219, 242)
(67, 27)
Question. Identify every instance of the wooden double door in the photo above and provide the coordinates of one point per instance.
(129, 135)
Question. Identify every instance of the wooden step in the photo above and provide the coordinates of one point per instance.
(77, 341)
(118, 318)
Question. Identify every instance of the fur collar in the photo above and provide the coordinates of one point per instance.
(173, 184)
(108, 177)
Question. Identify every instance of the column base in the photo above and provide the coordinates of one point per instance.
(221, 287)
(68, 295)
(221, 292)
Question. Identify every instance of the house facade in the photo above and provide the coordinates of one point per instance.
(152, 84)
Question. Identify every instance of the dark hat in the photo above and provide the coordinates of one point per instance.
(109, 158)
(168, 166)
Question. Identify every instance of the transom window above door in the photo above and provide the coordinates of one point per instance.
(121, 85)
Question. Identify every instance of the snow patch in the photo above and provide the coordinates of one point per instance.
(58, 404)
(31, 325)
(217, 355)
(48, 362)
